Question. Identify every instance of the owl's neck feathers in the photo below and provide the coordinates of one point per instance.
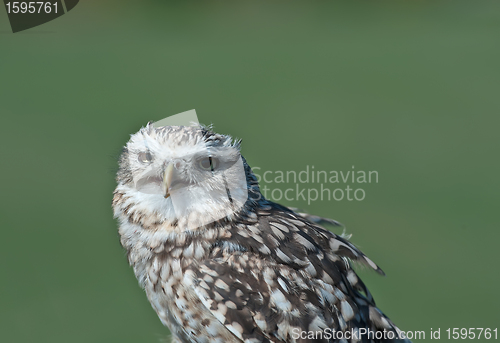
(147, 237)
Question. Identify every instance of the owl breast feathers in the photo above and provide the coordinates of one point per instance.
(217, 269)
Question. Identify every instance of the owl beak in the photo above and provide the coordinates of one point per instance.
(167, 179)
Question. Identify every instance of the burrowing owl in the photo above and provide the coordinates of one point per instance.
(220, 263)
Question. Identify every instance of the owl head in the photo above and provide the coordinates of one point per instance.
(186, 175)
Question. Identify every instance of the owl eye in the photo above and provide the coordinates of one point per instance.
(145, 157)
(208, 163)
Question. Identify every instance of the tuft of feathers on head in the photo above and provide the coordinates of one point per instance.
(195, 133)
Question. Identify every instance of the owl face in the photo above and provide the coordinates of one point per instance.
(186, 174)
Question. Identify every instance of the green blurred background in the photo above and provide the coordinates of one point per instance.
(409, 89)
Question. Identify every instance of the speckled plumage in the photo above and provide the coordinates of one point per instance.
(259, 274)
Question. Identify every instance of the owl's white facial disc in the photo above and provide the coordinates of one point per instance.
(185, 174)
